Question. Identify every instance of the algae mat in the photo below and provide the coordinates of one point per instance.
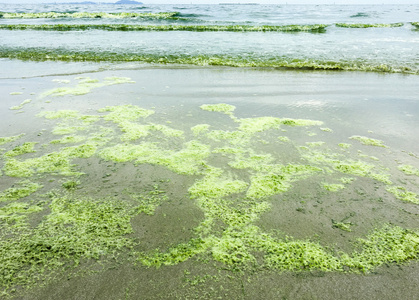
(154, 196)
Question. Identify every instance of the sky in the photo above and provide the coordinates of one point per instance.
(230, 1)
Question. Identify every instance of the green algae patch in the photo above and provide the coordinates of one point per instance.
(27, 147)
(216, 185)
(70, 185)
(14, 216)
(20, 106)
(16, 93)
(317, 28)
(368, 141)
(409, 170)
(70, 139)
(253, 125)
(5, 140)
(351, 25)
(148, 202)
(333, 187)
(188, 160)
(75, 229)
(284, 139)
(55, 162)
(326, 129)
(89, 15)
(402, 193)
(85, 85)
(174, 255)
(278, 179)
(345, 226)
(345, 145)
(221, 107)
(122, 113)
(60, 114)
(24, 188)
(200, 129)
(44, 54)
(389, 244)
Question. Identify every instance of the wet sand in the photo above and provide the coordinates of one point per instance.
(381, 107)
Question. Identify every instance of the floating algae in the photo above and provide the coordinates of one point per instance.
(232, 181)
(84, 86)
(349, 25)
(69, 139)
(409, 170)
(5, 140)
(25, 189)
(60, 54)
(55, 162)
(221, 107)
(56, 15)
(19, 150)
(317, 28)
(333, 187)
(20, 106)
(75, 229)
(401, 193)
(368, 141)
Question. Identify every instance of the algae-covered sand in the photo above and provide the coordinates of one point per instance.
(199, 199)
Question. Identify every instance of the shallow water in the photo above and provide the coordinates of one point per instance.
(348, 104)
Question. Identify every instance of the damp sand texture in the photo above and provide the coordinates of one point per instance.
(204, 202)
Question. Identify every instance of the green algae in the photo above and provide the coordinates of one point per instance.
(70, 139)
(368, 141)
(24, 189)
(200, 129)
(315, 144)
(70, 185)
(55, 162)
(16, 93)
(277, 179)
(85, 86)
(345, 145)
(14, 216)
(345, 226)
(389, 244)
(215, 185)
(402, 193)
(89, 15)
(409, 170)
(27, 147)
(232, 198)
(326, 129)
(317, 28)
(75, 229)
(122, 113)
(60, 114)
(20, 106)
(333, 187)
(188, 160)
(174, 255)
(349, 25)
(284, 139)
(148, 202)
(221, 107)
(60, 54)
(5, 140)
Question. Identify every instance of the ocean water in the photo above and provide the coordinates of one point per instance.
(392, 49)
(209, 151)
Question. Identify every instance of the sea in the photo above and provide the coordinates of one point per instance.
(217, 151)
